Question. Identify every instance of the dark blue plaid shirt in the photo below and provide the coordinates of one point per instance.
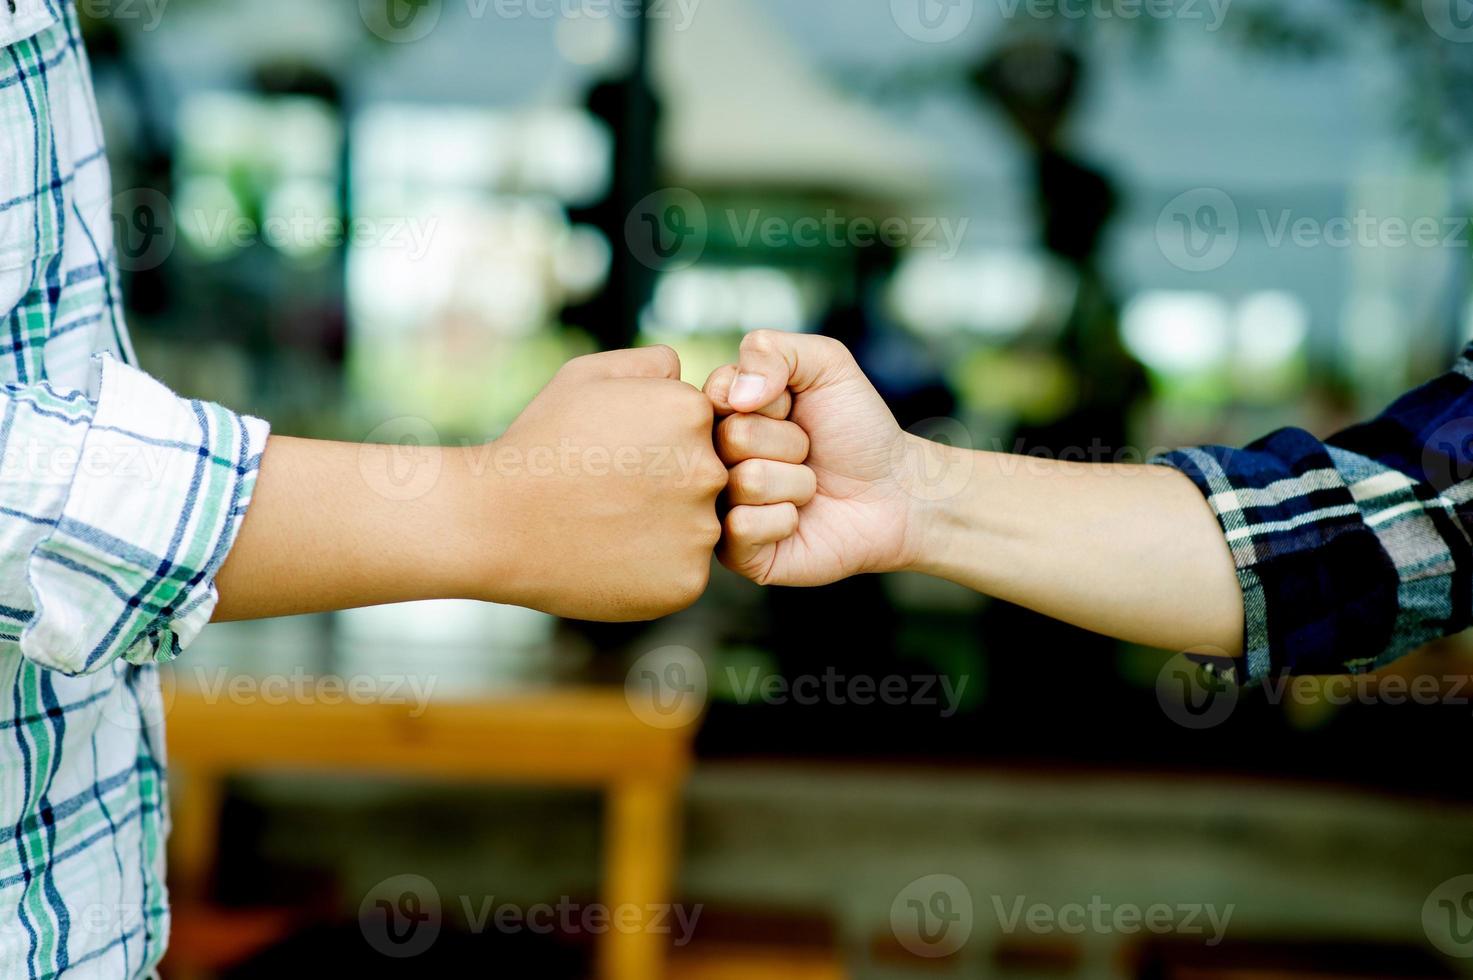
(1356, 550)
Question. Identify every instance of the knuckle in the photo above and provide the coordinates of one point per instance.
(784, 519)
(810, 484)
(740, 523)
(703, 413)
(690, 585)
(736, 433)
(669, 359)
(577, 365)
(718, 380)
(801, 441)
(835, 351)
(691, 407)
(717, 477)
(751, 478)
(731, 525)
(760, 341)
(680, 411)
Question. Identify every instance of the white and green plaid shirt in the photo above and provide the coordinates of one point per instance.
(118, 502)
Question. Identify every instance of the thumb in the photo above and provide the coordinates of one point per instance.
(643, 362)
(718, 387)
(772, 362)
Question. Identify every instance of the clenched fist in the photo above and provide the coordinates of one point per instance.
(824, 484)
(604, 492)
(821, 474)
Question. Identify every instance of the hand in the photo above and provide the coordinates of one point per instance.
(598, 503)
(1130, 551)
(605, 488)
(825, 494)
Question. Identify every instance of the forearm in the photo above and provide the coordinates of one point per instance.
(1129, 551)
(598, 503)
(330, 527)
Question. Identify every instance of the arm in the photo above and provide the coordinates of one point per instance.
(598, 503)
(321, 534)
(132, 517)
(1291, 555)
(1129, 551)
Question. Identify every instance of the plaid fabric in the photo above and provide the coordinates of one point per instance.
(1353, 551)
(118, 501)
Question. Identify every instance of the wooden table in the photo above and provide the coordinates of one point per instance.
(587, 738)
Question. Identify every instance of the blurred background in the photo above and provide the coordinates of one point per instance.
(1087, 229)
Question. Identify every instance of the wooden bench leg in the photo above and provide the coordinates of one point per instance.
(641, 840)
(194, 838)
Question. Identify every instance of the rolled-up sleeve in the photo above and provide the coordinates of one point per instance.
(117, 507)
(1355, 550)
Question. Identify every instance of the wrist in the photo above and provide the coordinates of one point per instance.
(477, 510)
(936, 481)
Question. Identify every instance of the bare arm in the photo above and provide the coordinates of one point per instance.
(320, 533)
(1133, 552)
(597, 503)
(1129, 551)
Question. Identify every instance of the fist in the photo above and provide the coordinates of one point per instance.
(605, 491)
(820, 470)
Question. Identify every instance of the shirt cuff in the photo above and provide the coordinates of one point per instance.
(1320, 594)
(156, 497)
(24, 19)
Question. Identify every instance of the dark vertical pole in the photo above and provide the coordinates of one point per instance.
(638, 177)
(629, 107)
